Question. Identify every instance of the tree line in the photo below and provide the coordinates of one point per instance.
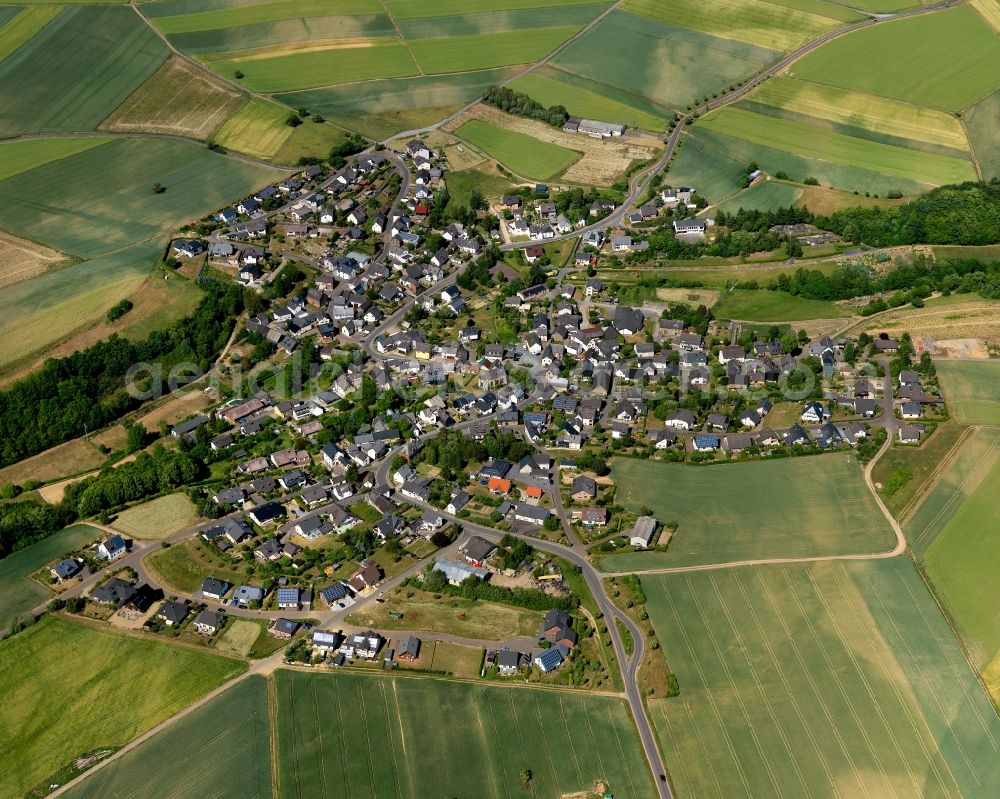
(519, 103)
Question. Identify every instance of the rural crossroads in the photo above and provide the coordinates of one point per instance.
(575, 552)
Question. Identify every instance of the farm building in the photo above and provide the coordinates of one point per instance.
(643, 531)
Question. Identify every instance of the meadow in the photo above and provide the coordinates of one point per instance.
(461, 183)
(304, 68)
(81, 66)
(862, 112)
(258, 129)
(46, 310)
(179, 99)
(778, 25)
(187, 563)
(550, 86)
(519, 152)
(640, 55)
(798, 167)
(982, 122)
(762, 196)
(970, 388)
(773, 306)
(818, 680)
(379, 108)
(18, 26)
(959, 520)
(101, 199)
(21, 593)
(228, 738)
(715, 174)
(461, 53)
(814, 506)
(945, 60)
(70, 688)
(806, 141)
(159, 518)
(427, 737)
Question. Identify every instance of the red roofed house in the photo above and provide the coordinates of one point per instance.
(498, 485)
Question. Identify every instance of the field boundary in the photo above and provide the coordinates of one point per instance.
(909, 510)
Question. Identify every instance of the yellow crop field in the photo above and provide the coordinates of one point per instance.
(256, 129)
(988, 10)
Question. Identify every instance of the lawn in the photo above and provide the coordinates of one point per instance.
(982, 122)
(775, 24)
(970, 388)
(239, 636)
(814, 506)
(49, 309)
(862, 153)
(80, 67)
(102, 199)
(179, 99)
(69, 688)
(430, 737)
(461, 53)
(460, 185)
(519, 152)
(945, 60)
(258, 129)
(17, 26)
(773, 306)
(820, 680)
(185, 565)
(961, 561)
(922, 462)
(640, 55)
(233, 727)
(21, 593)
(304, 68)
(452, 659)
(158, 518)
(853, 110)
(466, 618)
(583, 98)
(763, 196)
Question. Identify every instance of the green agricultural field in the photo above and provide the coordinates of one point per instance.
(462, 53)
(380, 108)
(818, 681)
(519, 152)
(554, 87)
(715, 174)
(806, 141)
(258, 128)
(48, 309)
(283, 32)
(945, 60)
(778, 25)
(415, 745)
(183, 17)
(855, 110)
(971, 390)
(305, 69)
(102, 199)
(649, 58)
(413, 9)
(977, 459)
(460, 185)
(773, 306)
(982, 121)
(21, 593)
(17, 26)
(158, 518)
(816, 505)
(764, 195)
(310, 140)
(97, 674)
(523, 19)
(229, 739)
(961, 561)
(20, 156)
(80, 67)
(798, 168)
